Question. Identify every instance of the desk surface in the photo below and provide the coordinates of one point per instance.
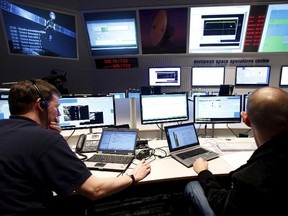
(168, 169)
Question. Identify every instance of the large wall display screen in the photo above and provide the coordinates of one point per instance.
(112, 33)
(218, 29)
(39, 32)
(275, 32)
(163, 30)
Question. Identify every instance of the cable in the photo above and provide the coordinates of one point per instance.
(84, 157)
(231, 130)
(70, 135)
(157, 155)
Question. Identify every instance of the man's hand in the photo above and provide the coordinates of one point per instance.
(141, 170)
(55, 125)
(199, 165)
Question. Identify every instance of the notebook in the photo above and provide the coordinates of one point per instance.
(114, 144)
(184, 144)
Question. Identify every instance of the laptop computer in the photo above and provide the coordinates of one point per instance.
(114, 143)
(184, 144)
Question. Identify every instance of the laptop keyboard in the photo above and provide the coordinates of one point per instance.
(189, 154)
(110, 159)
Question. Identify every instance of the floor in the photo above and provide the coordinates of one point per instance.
(159, 199)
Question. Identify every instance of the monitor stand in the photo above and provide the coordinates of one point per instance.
(212, 130)
(161, 131)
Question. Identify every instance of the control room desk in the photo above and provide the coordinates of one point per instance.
(168, 169)
(162, 190)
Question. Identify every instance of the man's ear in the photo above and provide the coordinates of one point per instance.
(38, 104)
(245, 118)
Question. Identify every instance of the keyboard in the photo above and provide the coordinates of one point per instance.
(189, 154)
(110, 158)
(236, 144)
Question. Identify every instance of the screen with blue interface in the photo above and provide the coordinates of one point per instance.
(4, 108)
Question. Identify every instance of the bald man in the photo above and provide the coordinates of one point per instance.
(259, 186)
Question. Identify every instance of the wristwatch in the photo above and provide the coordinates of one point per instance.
(133, 179)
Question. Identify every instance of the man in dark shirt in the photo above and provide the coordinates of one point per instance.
(36, 162)
(259, 186)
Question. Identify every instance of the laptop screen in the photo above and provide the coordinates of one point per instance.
(181, 136)
(118, 140)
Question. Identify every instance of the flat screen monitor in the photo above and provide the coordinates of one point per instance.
(133, 95)
(218, 29)
(274, 35)
(162, 108)
(210, 109)
(32, 31)
(4, 108)
(112, 32)
(252, 75)
(118, 95)
(284, 76)
(87, 112)
(207, 76)
(164, 76)
(199, 93)
(4, 96)
(245, 101)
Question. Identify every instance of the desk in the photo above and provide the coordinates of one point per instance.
(162, 190)
(168, 169)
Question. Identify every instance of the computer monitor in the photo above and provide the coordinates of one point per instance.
(112, 33)
(207, 76)
(4, 108)
(133, 94)
(252, 75)
(39, 32)
(284, 76)
(79, 112)
(218, 29)
(245, 102)
(118, 95)
(273, 38)
(209, 109)
(162, 108)
(5, 96)
(164, 76)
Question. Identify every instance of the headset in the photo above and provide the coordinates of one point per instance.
(43, 103)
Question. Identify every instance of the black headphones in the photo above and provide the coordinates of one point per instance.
(43, 103)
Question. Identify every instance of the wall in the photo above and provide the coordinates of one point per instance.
(82, 75)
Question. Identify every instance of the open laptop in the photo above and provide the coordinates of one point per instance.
(114, 143)
(182, 139)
